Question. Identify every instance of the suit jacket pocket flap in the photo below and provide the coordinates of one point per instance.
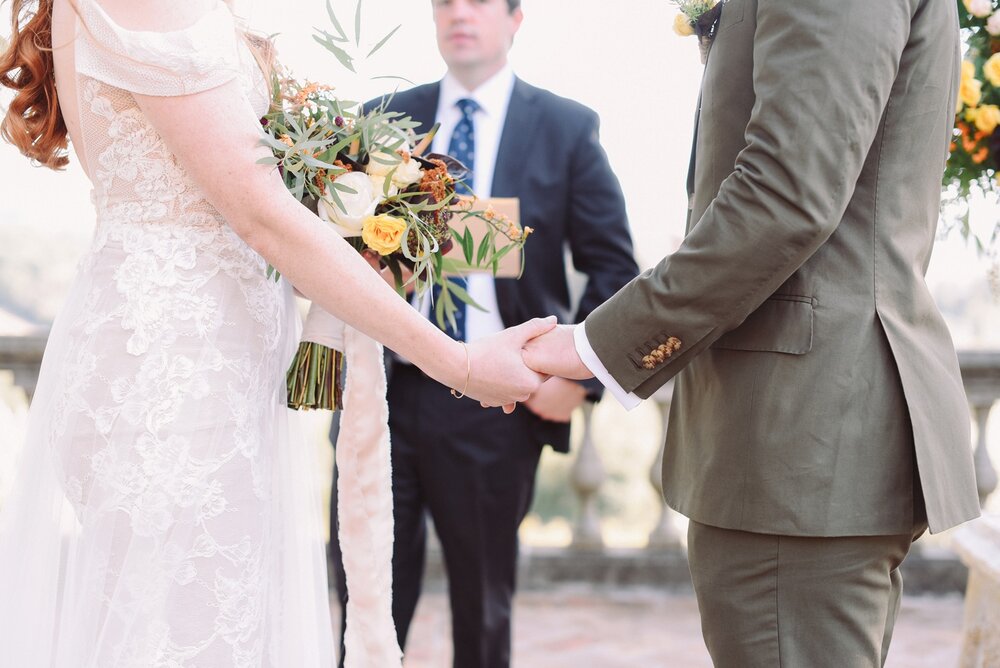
(782, 324)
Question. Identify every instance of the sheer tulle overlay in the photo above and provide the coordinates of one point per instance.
(163, 514)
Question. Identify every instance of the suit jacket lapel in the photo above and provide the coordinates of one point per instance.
(424, 108)
(516, 141)
(691, 163)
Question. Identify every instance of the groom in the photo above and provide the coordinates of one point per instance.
(819, 421)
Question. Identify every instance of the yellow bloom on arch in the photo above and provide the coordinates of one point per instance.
(987, 118)
(968, 70)
(991, 69)
(383, 233)
(682, 26)
(970, 92)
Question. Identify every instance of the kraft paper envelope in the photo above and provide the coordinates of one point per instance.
(510, 264)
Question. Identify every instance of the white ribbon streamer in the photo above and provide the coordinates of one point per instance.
(364, 496)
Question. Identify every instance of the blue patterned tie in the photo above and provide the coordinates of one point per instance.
(462, 147)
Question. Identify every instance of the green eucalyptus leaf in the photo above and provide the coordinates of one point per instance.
(484, 248)
(335, 22)
(467, 245)
(357, 25)
(382, 41)
(345, 58)
(464, 296)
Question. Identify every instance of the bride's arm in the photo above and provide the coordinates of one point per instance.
(215, 136)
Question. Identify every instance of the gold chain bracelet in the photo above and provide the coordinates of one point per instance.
(468, 373)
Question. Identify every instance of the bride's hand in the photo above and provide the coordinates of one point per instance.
(497, 373)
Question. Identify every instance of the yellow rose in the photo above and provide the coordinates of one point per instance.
(383, 234)
(968, 70)
(991, 69)
(682, 26)
(987, 118)
(970, 92)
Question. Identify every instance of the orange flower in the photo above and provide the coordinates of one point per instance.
(980, 155)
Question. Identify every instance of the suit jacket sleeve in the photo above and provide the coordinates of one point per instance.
(599, 237)
(823, 72)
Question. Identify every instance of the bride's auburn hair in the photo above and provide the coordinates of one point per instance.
(33, 122)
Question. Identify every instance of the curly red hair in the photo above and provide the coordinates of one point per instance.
(33, 122)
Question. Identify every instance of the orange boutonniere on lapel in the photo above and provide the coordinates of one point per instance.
(699, 18)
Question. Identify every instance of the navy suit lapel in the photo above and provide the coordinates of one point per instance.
(424, 107)
(513, 154)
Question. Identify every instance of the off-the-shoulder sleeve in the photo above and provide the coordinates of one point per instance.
(181, 62)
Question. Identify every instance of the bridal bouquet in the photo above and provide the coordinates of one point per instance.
(365, 173)
(974, 159)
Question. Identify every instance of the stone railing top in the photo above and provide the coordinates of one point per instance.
(22, 350)
(980, 374)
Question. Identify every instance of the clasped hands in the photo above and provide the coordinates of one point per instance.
(532, 363)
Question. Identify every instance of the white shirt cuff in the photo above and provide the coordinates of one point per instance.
(590, 360)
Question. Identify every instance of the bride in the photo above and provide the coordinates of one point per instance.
(162, 515)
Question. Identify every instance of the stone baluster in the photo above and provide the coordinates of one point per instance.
(664, 535)
(587, 476)
(981, 376)
(986, 474)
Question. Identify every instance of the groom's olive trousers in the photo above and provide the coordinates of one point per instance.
(769, 601)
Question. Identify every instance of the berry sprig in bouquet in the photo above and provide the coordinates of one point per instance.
(365, 173)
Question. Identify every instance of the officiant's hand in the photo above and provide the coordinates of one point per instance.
(374, 260)
(498, 375)
(554, 354)
(556, 399)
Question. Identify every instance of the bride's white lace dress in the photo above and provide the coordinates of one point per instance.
(163, 516)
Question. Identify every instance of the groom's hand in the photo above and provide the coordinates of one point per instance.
(554, 354)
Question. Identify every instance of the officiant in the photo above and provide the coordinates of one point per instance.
(473, 470)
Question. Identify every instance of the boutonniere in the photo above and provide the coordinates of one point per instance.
(698, 18)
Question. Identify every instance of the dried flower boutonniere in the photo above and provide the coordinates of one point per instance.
(699, 18)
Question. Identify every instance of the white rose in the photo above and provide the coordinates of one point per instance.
(357, 205)
(993, 24)
(979, 8)
(378, 185)
(407, 172)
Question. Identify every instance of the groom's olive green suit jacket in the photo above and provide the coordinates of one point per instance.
(814, 373)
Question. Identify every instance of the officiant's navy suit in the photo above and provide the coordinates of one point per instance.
(473, 470)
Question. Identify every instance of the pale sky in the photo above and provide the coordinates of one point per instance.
(621, 59)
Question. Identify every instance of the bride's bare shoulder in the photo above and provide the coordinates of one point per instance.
(154, 15)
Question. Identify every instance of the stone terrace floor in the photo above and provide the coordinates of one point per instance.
(580, 627)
